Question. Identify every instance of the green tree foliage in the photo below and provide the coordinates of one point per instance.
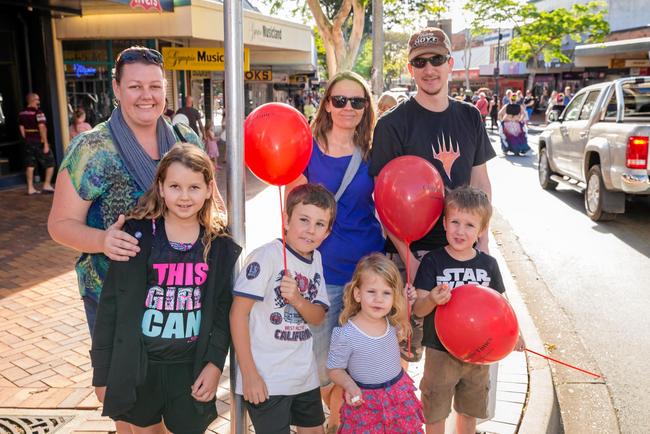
(542, 32)
(363, 64)
(344, 25)
(395, 55)
(539, 33)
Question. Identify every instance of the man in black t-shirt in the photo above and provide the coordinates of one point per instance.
(447, 133)
(193, 116)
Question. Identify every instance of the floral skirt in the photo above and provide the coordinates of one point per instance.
(514, 137)
(393, 409)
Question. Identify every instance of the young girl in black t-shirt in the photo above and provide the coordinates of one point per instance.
(162, 330)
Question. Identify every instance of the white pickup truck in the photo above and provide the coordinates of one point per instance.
(599, 146)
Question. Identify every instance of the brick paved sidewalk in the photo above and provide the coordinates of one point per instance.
(45, 373)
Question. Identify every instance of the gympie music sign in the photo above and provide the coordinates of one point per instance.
(198, 59)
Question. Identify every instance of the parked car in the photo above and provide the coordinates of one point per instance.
(599, 146)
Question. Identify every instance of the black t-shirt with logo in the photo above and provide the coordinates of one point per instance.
(454, 141)
(439, 267)
(176, 280)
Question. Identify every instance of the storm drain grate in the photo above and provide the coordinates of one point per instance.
(30, 424)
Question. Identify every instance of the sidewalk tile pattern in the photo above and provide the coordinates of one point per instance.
(44, 340)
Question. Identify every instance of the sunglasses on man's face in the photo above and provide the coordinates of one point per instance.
(357, 102)
(437, 60)
(149, 55)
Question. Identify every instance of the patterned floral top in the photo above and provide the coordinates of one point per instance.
(99, 175)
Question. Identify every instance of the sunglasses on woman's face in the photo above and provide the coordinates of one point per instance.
(357, 102)
(134, 55)
(437, 60)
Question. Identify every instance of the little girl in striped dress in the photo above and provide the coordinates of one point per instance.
(364, 356)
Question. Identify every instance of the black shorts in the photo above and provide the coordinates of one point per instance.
(34, 154)
(276, 414)
(165, 395)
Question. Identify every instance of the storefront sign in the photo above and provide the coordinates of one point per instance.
(637, 63)
(198, 59)
(202, 75)
(149, 5)
(628, 63)
(83, 71)
(459, 74)
(266, 32)
(259, 75)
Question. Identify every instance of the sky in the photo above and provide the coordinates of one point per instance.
(456, 13)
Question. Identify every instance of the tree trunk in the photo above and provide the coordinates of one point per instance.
(468, 58)
(340, 54)
(377, 47)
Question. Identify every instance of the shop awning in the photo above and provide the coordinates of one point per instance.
(63, 7)
(614, 47)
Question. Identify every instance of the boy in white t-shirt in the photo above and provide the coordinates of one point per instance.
(271, 314)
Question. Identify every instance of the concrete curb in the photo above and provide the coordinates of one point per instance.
(541, 413)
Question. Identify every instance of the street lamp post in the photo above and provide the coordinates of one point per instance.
(496, 70)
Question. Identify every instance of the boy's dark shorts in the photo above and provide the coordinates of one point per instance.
(276, 414)
(165, 395)
(34, 154)
(445, 377)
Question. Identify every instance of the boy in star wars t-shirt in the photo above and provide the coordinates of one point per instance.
(271, 314)
(467, 213)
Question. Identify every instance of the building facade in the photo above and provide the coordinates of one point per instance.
(81, 39)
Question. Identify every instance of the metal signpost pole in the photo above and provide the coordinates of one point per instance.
(234, 98)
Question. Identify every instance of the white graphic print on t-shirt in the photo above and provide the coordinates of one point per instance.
(455, 277)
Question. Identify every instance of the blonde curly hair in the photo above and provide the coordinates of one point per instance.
(383, 267)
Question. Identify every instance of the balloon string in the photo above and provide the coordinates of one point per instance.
(406, 294)
(562, 363)
(284, 241)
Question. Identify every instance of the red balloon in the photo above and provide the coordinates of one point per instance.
(278, 143)
(409, 197)
(477, 325)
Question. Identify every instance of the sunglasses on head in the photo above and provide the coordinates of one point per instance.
(437, 60)
(340, 101)
(149, 55)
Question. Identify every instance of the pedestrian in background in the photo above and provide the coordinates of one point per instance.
(568, 95)
(506, 98)
(211, 145)
(385, 102)
(482, 105)
(309, 109)
(33, 129)
(193, 116)
(79, 124)
(183, 347)
(494, 111)
(342, 132)
(529, 103)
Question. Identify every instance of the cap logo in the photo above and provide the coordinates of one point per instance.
(425, 40)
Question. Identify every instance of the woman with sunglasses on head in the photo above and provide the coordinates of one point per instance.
(106, 170)
(342, 131)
